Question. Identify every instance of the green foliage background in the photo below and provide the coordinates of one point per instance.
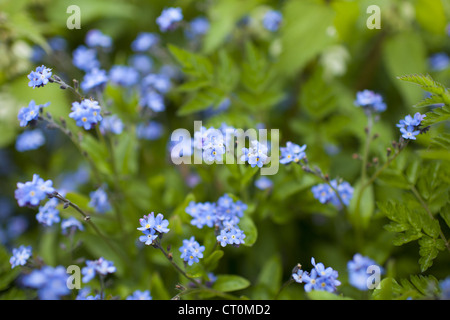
(301, 80)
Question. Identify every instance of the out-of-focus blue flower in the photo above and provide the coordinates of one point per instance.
(272, 20)
(140, 295)
(48, 214)
(292, 153)
(444, 287)
(197, 27)
(30, 140)
(85, 58)
(439, 61)
(100, 266)
(153, 100)
(84, 294)
(149, 131)
(95, 79)
(40, 77)
(71, 224)
(158, 82)
(31, 193)
(57, 43)
(20, 256)
(357, 269)
(86, 113)
(124, 76)
(371, 101)
(144, 41)
(96, 38)
(141, 63)
(50, 282)
(30, 113)
(263, 183)
(99, 201)
(111, 124)
(169, 18)
(191, 251)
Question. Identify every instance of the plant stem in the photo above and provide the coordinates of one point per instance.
(286, 284)
(427, 209)
(200, 285)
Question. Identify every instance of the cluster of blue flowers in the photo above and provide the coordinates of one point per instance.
(223, 215)
(410, 126)
(358, 271)
(99, 201)
(31, 193)
(48, 214)
(86, 113)
(292, 153)
(152, 227)
(20, 256)
(40, 77)
(319, 278)
(370, 101)
(31, 113)
(169, 19)
(50, 282)
(325, 193)
(191, 251)
(256, 154)
(101, 266)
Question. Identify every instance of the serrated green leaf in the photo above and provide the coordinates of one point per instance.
(429, 249)
(193, 64)
(434, 99)
(203, 99)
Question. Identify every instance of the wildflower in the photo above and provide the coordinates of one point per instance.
(30, 140)
(20, 256)
(157, 82)
(33, 192)
(30, 113)
(153, 100)
(111, 124)
(100, 266)
(149, 131)
(86, 113)
(50, 282)
(152, 227)
(319, 278)
(48, 214)
(410, 126)
(95, 79)
(197, 27)
(298, 275)
(40, 77)
(169, 18)
(439, 61)
(272, 20)
(140, 295)
(83, 294)
(144, 41)
(325, 194)
(124, 76)
(263, 183)
(231, 235)
(191, 251)
(141, 62)
(292, 153)
(99, 201)
(444, 287)
(95, 38)
(85, 58)
(357, 271)
(71, 224)
(370, 101)
(256, 155)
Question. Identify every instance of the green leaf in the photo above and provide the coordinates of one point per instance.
(325, 295)
(432, 100)
(193, 64)
(247, 225)
(271, 274)
(125, 153)
(158, 289)
(431, 16)
(429, 249)
(212, 260)
(203, 99)
(437, 115)
(97, 152)
(394, 178)
(361, 213)
(227, 283)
